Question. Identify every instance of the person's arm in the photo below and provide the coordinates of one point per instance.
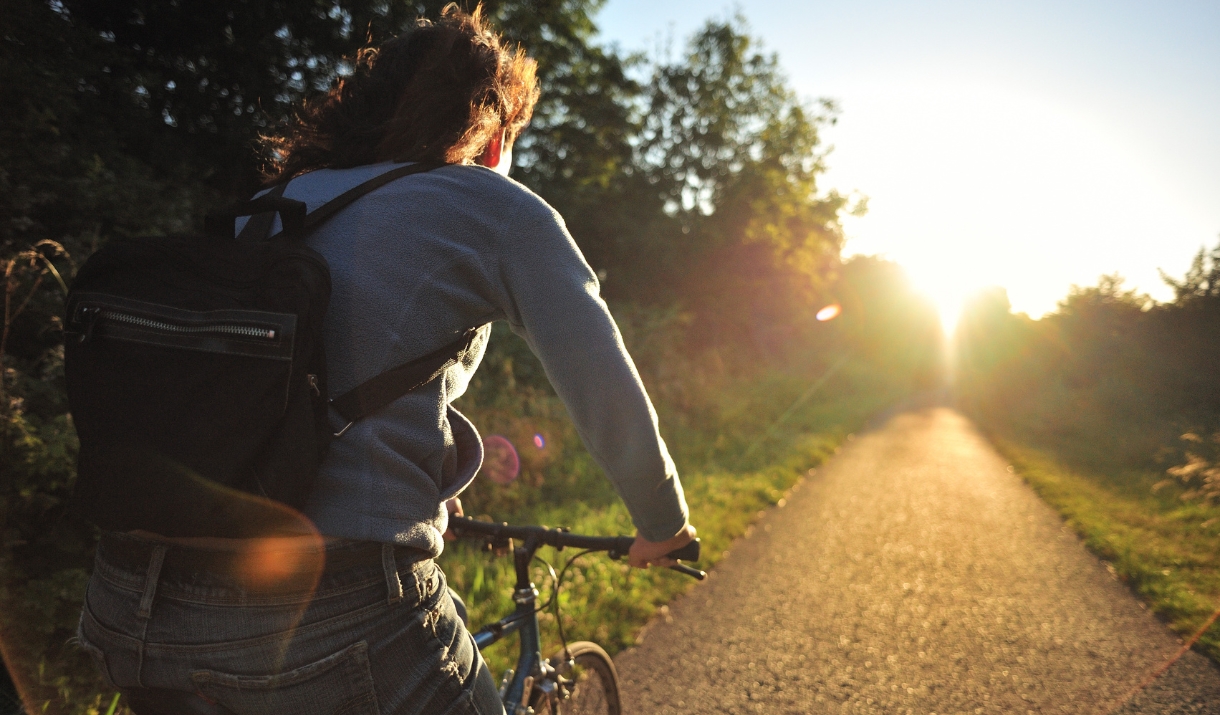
(552, 301)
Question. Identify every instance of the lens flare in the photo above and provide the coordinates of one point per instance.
(501, 463)
(830, 312)
(269, 561)
(539, 441)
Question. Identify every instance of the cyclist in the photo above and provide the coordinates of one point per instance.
(353, 615)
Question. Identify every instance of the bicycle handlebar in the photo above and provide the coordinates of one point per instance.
(617, 546)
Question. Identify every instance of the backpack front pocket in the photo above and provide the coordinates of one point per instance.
(158, 389)
(235, 332)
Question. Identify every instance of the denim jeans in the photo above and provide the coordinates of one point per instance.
(368, 629)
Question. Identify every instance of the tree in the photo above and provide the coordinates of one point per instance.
(734, 156)
(1110, 377)
(1201, 282)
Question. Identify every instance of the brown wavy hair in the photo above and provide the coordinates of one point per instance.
(440, 93)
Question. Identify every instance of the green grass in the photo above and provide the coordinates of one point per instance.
(1166, 549)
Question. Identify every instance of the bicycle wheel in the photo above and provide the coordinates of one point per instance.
(592, 684)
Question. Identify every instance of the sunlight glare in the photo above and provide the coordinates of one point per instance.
(973, 184)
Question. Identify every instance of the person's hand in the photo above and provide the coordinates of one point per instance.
(454, 507)
(645, 553)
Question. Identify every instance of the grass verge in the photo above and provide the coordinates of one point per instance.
(1164, 548)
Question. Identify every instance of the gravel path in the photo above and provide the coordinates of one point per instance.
(911, 574)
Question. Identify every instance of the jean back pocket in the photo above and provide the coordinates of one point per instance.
(339, 684)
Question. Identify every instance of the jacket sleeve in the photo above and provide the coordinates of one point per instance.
(552, 300)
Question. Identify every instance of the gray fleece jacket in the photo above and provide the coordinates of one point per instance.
(415, 263)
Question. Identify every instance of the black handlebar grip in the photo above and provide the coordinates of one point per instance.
(622, 548)
(693, 573)
(690, 552)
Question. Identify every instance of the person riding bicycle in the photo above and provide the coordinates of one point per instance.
(353, 615)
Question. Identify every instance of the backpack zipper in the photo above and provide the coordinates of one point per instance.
(89, 316)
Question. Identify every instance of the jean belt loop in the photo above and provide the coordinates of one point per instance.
(392, 582)
(150, 581)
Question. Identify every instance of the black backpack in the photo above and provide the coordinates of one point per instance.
(197, 376)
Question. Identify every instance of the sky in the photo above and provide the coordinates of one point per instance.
(1032, 145)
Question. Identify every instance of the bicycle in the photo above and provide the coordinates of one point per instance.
(580, 678)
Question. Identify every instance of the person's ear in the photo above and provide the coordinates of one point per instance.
(492, 154)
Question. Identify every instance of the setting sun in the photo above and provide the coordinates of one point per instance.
(1010, 190)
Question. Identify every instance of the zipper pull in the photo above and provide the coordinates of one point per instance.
(88, 316)
(313, 384)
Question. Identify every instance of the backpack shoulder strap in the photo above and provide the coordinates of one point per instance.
(380, 390)
(260, 223)
(263, 209)
(319, 215)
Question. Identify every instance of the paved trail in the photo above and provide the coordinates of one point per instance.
(911, 574)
